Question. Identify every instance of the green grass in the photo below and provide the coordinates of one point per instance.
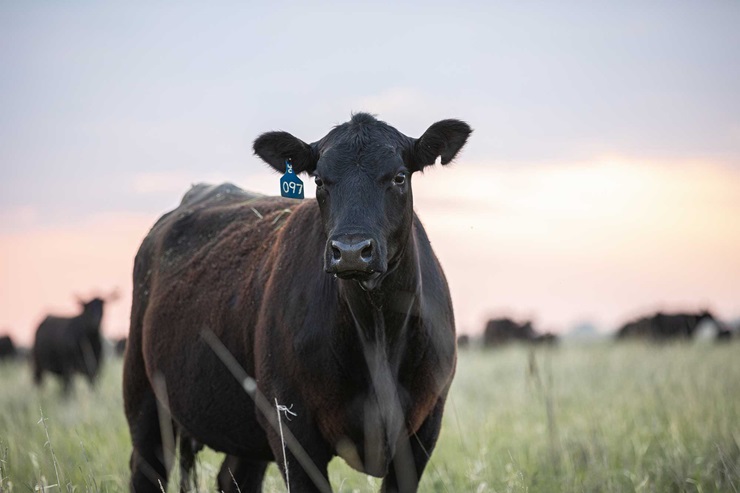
(575, 418)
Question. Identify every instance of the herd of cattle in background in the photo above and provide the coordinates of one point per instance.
(67, 345)
(658, 327)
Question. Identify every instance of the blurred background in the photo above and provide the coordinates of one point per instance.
(602, 181)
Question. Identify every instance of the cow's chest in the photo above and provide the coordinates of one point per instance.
(364, 412)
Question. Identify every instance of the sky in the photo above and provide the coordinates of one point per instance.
(602, 180)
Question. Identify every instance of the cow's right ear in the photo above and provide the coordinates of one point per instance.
(275, 148)
(444, 139)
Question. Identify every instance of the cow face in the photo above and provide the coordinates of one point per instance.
(362, 171)
(92, 312)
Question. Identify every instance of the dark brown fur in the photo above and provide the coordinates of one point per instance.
(365, 371)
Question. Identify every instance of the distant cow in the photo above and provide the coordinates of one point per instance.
(8, 350)
(337, 307)
(463, 341)
(724, 334)
(663, 327)
(68, 345)
(500, 331)
(119, 346)
(503, 330)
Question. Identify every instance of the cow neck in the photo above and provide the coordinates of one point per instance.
(382, 315)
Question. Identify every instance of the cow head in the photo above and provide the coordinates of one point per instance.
(363, 171)
(92, 313)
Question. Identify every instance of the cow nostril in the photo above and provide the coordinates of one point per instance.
(367, 252)
(352, 255)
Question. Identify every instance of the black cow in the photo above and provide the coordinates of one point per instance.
(664, 327)
(501, 331)
(119, 346)
(337, 307)
(8, 350)
(463, 341)
(724, 334)
(68, 345)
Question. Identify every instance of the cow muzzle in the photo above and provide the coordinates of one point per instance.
(353, 257)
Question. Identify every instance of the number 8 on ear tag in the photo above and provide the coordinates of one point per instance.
(290, 185)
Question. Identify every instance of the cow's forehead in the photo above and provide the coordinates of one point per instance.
(374, 147)
(349, 151)
(362, 132)
(373, 160)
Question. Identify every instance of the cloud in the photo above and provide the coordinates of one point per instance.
(593, 239)
(734, 133)
(18, 217)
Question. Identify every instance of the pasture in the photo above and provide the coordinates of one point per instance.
(605, 417)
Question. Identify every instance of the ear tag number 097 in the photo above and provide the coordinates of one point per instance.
(290, 185)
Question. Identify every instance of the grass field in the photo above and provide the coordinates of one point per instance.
(575, 418)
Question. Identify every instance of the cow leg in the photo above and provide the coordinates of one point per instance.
(148, 464)
(412, 455)
(241, 475)
(66, 384)
(300, 481)
(316, 450)
(148, 469)
(38, 374)
(91, 379)
(188, 450)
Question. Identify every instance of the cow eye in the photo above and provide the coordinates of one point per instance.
(319, 182)
(400, 178)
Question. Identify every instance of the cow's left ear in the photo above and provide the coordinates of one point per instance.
(275, 148)
(445, 138)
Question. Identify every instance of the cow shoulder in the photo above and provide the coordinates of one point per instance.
(205, 213)
(300, 298)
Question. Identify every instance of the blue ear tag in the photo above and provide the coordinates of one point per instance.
(290, 185)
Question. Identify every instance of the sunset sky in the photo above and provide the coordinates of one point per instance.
(602, 179)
